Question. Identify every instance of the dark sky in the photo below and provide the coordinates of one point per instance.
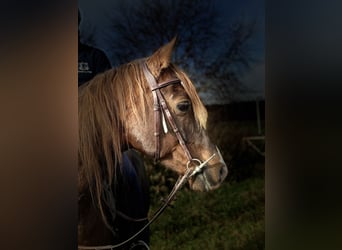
(97, 13)
(96, 19)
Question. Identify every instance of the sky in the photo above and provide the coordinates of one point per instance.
(97, 14)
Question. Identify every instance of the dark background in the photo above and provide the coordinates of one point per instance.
(39, 125)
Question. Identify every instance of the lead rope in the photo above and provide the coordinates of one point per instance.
(178, 185)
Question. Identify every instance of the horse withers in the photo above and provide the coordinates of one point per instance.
(152, 106)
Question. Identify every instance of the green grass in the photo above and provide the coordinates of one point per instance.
(231, 217)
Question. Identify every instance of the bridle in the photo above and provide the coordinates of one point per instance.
(160, 109)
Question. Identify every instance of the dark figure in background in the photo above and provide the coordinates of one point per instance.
(91, 61)
(132, 193)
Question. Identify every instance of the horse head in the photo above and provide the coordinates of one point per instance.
(189, 116)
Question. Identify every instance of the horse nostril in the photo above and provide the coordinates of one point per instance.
(222, 174)
(221, 171)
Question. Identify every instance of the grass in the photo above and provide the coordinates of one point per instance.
(231, 217)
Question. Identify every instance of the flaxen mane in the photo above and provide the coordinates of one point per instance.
(102, 106)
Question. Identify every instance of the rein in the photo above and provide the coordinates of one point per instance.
(179, 184)
(160, 109)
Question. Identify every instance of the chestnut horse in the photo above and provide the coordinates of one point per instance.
(117, 112)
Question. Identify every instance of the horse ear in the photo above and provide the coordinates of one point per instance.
(161, 58)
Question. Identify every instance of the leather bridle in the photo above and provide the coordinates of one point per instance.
(160, 109)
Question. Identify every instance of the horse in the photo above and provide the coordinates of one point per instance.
(126, 108)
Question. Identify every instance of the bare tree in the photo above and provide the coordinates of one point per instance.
(207, 48)
(233, 60)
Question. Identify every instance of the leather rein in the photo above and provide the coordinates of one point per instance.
(160, 109)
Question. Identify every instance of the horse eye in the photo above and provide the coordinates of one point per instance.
(183, 106)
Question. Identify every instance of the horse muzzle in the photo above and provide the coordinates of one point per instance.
(210, 178)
